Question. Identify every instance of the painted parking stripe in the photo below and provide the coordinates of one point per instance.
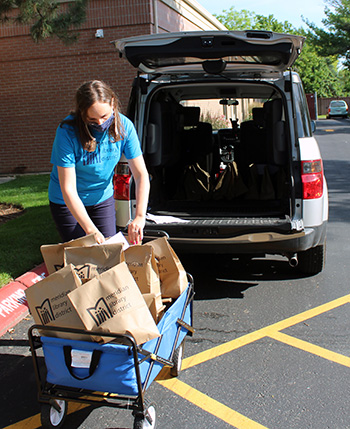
(210, 405)
(311, 348)
(272, 331)
(34, 422)
(261, 333)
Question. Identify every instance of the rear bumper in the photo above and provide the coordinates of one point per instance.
(250, 243)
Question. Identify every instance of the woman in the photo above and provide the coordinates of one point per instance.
(86, 149)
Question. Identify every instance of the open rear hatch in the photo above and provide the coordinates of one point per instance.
(251, 51)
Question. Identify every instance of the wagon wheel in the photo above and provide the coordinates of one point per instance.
(177, 360)
(52, 416)
(148, 421)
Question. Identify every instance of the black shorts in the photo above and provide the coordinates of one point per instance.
(102, 215)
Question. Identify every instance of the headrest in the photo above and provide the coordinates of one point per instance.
(191, 116)
(273, 110)
(258, 116)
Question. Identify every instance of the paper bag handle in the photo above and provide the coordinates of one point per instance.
(95, 359)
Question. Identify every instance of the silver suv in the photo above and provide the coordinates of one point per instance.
(227, 139)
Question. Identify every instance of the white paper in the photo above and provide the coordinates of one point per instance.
(81, 358)
(165, 219)
(118, 238)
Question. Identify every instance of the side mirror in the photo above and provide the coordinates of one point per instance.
(313, 126)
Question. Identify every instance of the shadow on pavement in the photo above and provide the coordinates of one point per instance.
(221, 276)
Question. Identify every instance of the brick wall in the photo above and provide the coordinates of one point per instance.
(38, 81)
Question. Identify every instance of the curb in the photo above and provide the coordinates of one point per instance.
(13, 302)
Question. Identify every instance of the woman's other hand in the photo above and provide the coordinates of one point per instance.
(99, 237)
(135, 230)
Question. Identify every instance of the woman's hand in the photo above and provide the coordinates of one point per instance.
(135, 230)
(140, 174)
(99, 237)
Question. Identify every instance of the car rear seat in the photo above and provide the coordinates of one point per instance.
(197, 139)
(263, 148)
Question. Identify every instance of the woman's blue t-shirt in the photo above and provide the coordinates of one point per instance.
(94, 170)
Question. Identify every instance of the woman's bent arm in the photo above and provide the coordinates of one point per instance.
(67, 178)
(140, 174)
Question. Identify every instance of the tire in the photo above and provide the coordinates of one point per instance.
(50, 417)
(143, 423)
(177, 360)
(312, 261)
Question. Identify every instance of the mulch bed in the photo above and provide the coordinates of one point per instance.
(9, 211)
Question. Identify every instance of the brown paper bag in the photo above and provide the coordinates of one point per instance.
(112, 302)
(229, 184)
(152, 301)
(53, 253)
(173, 277)
(49, 304)
(104, 256)
(143, 266)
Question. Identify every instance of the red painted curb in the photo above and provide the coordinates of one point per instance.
(13, 302)
(33, 276)
(13, 305)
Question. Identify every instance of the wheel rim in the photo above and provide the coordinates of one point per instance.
(57, 416)
(179, 360)
(152, 413)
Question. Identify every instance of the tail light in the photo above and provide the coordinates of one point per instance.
(121, 181)
(312, 179)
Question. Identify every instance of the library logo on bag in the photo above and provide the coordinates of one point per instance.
(45, 312)
(83, 272)
(101, 312)
(58, 266)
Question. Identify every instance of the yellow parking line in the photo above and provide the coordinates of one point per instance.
(34, 422)
(30, 423)
(210, 405)
(311, 348)
(263, 332)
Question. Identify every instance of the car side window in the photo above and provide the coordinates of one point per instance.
(302, 112)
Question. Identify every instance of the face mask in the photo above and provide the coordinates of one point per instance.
(101, 128)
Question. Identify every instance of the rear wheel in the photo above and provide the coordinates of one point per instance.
(312, 261)
(52, 416)
(177, 360)
(148, 421)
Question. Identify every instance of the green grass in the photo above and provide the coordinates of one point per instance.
(21, 238)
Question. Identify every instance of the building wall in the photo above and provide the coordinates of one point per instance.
(38, 81)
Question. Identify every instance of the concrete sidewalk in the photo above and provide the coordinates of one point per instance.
(4, 179)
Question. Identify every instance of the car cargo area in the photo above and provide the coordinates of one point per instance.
(219, 152)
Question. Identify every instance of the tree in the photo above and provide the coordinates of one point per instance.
(318, 73)
(336, 41)
(47, 18)
(246, 20)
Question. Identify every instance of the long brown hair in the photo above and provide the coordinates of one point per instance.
(88, 94)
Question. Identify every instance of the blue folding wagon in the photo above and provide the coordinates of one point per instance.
(117, 373)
